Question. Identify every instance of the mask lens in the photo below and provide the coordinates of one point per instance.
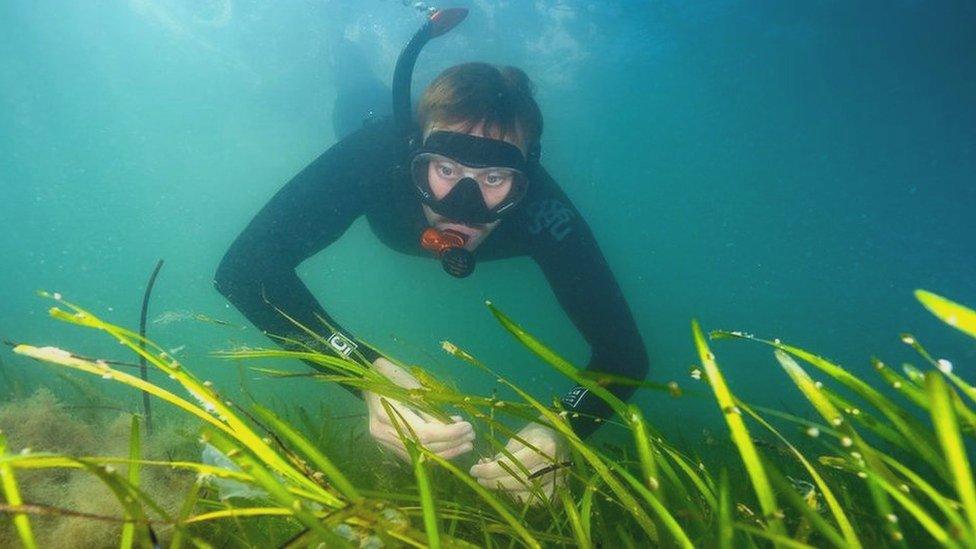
(436, 176)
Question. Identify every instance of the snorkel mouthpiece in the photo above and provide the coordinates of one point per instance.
(448, 245)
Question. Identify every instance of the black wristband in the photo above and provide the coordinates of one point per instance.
(586, 412)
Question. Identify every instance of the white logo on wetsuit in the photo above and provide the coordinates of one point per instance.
(574, 397)
(342, 344)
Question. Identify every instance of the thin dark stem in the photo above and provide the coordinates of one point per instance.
(143, 371)
(50, 510)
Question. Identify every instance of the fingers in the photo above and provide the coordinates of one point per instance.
(533, 480)
(398, 449)
(505, 483)
(456, 451)
(449, 441)
(429, 431)
(440, 446)
(509, 483)
(492, 469)
(534, 492)
(393, 442)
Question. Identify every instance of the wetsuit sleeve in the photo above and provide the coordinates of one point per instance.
(311, 211)
(568, 255)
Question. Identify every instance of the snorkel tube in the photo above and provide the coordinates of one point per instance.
(440, 22)
(447, 245)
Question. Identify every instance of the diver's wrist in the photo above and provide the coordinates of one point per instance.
(395, 373)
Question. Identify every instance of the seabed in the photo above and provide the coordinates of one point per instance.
(873, 463)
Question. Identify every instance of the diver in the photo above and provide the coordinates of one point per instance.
(459, 181)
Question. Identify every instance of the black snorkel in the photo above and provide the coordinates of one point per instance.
(448, 246)
(438, 23)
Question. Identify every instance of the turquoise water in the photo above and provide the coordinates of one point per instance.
(791, 170)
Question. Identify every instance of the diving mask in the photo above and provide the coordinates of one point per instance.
(469, 179)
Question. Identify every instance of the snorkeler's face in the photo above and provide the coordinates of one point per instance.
(494, 185)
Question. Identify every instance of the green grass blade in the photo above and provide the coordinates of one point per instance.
(487, 497)
(942, 365)
(63, 358)
(946, 505)
(726, 535)
(967, 390)
(135, 454)
(918, 512)
(324, 464)
(272, 485)
(189, 502)
(662, 512)
(843, 522)
(240, 512)
(575, 523)
(909, 427)
(586, 506)
(328, 363)
(561, 365)
(644, 452)
(223, 416)
(810, 516)
(128, 496)
(417, 459)
(740, 435)
(958, 316)
(12, 494)
(779, 540)
(871, 423)
(559, 424)
(427, 501)
(598, 464)
(848, 436)
(944, 420)
(703, 483)
(906, 387)
(914, 389)
(624, 537)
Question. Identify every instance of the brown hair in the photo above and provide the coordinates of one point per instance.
(472, 93)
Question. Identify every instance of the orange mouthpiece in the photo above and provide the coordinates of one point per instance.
(441, 241)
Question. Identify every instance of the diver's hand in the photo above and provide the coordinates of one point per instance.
(447, 440)
(547, 470)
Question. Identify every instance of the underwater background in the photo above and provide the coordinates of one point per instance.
(789, 169)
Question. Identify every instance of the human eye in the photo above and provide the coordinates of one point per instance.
(496, 179)
(445, 170)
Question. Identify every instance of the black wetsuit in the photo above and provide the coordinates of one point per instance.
(322, 201)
